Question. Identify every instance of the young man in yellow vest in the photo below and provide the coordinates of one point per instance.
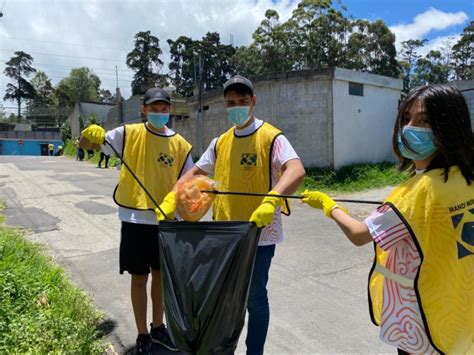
(252, 156)
(158, 156)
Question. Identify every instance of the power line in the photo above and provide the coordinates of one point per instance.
(66, 43)
(72, 67)
(94, 71)
(65, 56)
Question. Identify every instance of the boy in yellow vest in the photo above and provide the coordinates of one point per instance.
(158, 156)
(252, 156)
(421, 286)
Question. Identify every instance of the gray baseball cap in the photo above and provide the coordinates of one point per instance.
(237, 80)
(156, 94)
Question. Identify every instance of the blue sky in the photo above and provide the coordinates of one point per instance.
(66, 34)
(404, 11)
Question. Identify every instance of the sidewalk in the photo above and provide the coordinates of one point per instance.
(318, 280)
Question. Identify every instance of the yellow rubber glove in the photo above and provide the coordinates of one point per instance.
(94, 134)
(264, 213)
(321, 201)
(168, 206)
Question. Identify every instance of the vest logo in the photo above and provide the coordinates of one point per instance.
(248, 160)
(165, 160)
(467, 234)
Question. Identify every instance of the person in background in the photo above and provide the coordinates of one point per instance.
(79, 151)
(51, 149)
(102, 157)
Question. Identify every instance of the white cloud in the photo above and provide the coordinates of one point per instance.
(441, 43)
(426, 22)
(105, 29)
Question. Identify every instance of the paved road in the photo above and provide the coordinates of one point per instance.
(317, 281)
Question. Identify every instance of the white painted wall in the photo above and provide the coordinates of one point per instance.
(363, 125)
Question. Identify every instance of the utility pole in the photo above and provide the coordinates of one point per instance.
(19, 92)
(200, 124)
(118, 97)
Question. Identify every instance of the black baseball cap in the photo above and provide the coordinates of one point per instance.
(238, 80)
(156, 94)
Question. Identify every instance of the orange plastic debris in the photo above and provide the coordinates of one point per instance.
(191, 203)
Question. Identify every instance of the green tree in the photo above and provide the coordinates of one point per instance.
(92, 119)
(463, 54)
(215, 60)
(207, 61)
(247, 61)
(43, 91)
(371, 47)
(432, 69)
(320, 33)
(106, 97)
(19, 69)
(66, 131)
(271, 39)
(82, 85)
(145, 61)
(408, 59)
(182, 65)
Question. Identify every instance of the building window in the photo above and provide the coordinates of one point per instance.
(356, 89)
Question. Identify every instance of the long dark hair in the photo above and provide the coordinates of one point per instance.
(449, 118)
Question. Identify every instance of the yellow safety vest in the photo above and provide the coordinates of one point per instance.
(440, 219)
(243, 163)
(156, 160)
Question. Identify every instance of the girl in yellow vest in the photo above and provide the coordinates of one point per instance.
(421, 286)
(158, 156)
(252, 156)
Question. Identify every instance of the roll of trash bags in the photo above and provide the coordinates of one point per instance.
(206, 269)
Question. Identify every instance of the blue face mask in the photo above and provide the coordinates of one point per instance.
(238, 115)
(158, 120)
(421, 140)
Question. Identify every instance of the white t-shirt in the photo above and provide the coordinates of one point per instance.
(281, 153)
(115, 137)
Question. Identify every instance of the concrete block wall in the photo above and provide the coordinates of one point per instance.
(214, 122)
(299, 105)
(304, 106)
(467, 89)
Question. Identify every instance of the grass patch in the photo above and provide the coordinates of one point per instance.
(353, 178)
(70, 150)
(41, 310)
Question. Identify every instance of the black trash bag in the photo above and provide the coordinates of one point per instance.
(206, 269)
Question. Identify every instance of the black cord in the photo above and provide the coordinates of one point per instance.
(137, 179)
(284, 196)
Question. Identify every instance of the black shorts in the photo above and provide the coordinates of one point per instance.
(139, 249)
